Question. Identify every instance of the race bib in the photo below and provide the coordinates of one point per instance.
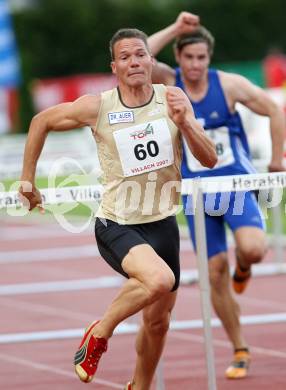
(221, 139)
(144, 148)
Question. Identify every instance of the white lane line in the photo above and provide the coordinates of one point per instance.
(54, 370)
(187, 277)
(129, 328)
(263, 303)
(226, 344)
(49, 254)
(59, 312)
(273, 269)
(28, 233)
(62, 285)
(59, 253)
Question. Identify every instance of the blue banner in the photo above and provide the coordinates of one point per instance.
(9, 62)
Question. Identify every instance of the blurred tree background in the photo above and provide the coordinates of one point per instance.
(66, 37)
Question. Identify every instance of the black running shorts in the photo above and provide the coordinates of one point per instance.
(114, 242)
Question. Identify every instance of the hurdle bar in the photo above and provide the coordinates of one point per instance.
(196, 187)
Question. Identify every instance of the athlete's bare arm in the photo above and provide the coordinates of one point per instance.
(182, 114)
(163, 74)
(238, 89)
(185, 23)
(62, 117)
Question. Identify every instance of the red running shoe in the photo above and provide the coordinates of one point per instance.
(128, 386)
(88, 354)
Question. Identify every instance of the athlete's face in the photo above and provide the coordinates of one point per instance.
(194, 60)
(132, 62)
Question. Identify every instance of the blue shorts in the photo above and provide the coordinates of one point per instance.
(236, 209)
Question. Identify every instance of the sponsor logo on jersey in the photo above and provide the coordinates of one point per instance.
(120, 117)
(139, 134)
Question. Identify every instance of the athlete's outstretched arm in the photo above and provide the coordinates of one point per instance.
(258, 101)
(62, 117)
(184, 24)
(182, 114)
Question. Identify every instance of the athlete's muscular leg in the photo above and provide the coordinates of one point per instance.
(151, 339)
(226, 308)
(250, 245)
(150, 279)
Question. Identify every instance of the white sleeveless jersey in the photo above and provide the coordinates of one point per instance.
(139, 150)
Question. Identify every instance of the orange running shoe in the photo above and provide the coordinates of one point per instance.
(240, 364)
(88, 354)
(128, 386)
(240, 278)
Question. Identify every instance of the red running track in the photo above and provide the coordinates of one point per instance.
(33, 252)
